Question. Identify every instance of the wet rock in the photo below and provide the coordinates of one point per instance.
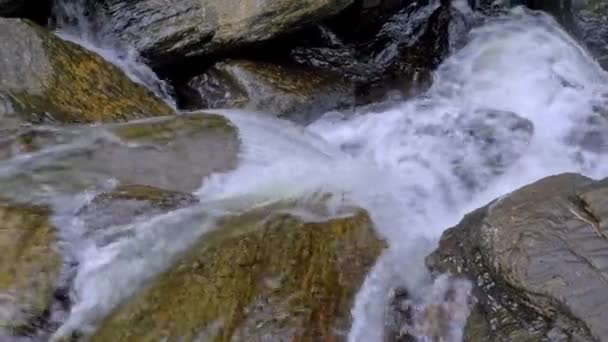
(585, 19)
(190, 28)
(29, 267)
(46, 78)
(173, 153)
(289, 92)
(262, 275)
(402, 53)
(128, 202)
(537, 258)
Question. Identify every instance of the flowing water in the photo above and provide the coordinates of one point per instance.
(521, 101)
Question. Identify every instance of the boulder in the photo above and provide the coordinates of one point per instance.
(290, 92)
(174, 153)
(29, 267)
(537, 258)
(400, 55)
(165, 33)
(46, 78)
(265, 275)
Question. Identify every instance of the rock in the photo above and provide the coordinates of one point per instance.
(291, 92)
(45, 77)
(128, 202)
(189, 28)
(29, 267)
(402, 53)
(585, 19)
(173, 153)
(537, 258)
(264, 275)
(38, 11)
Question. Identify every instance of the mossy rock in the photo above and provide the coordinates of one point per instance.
(174, 153)
(291, 92)
(262, 275)
(29, 266)
(45, 77)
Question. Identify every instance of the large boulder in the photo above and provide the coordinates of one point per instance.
(264, 275)
(165, 31)
(174, 153)
(290, 92)
(29, 267)
(44, 77)
(537, 258)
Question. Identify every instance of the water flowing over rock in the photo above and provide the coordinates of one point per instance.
(190, 28)
(288, 92)
(46, 78)
(261, 275)
(29, 267)
(129, 202)
(173, 153)
(537, 258)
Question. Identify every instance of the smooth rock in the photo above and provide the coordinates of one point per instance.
(288, 92)
(264, 275)
(46, 78)
(164, 31)
(173, 153)
(538, 260)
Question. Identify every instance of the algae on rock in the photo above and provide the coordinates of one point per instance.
(29, 266)
(262, 275)
(45, 77)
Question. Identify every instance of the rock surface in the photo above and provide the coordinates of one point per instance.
(537, 258)
(289, 92)
(165, 31)
(46, 78)
(173, 153)
(263, 275)
(29, 267)
(129, 202)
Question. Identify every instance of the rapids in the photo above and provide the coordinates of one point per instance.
(519, 102)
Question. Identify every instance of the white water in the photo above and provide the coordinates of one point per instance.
(516, 104)
(74, 25)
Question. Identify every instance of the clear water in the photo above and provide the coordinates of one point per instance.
(519, 102)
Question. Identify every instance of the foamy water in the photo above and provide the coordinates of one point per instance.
(517, 103)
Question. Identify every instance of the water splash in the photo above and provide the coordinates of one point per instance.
(521, 101)
(73, 23)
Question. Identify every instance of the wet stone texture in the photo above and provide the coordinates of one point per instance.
(45, 78)
(538, 258)
(29, 267)
(263, 276)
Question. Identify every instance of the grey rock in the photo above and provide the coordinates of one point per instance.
(164, 31)
(288, 92)
(538, 258)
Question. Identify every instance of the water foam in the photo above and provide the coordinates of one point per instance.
(518, 103)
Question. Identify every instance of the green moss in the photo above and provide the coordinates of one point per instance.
(259, 274)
